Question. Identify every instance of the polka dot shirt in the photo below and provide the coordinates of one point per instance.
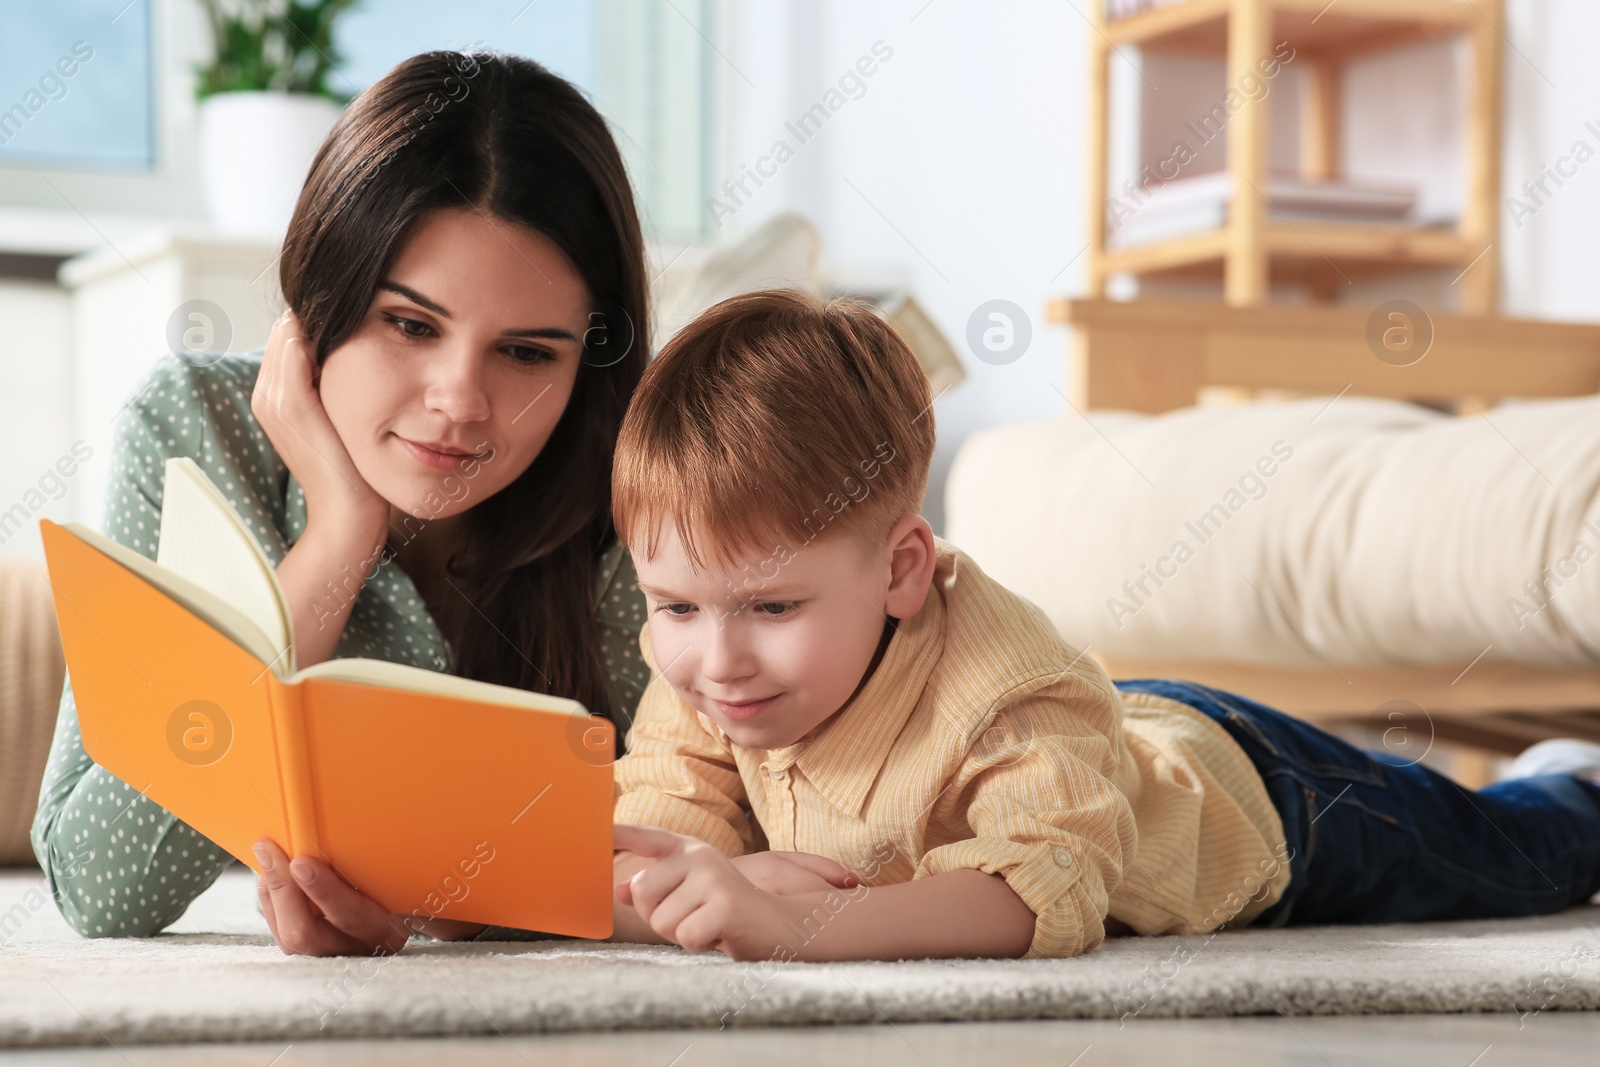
(119, 864)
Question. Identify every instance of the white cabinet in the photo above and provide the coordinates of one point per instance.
(35, 411)
(165, 290)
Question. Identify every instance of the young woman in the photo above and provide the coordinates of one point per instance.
(423, 449)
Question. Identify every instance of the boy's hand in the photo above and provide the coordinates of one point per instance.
(791, 873)
(693, 896)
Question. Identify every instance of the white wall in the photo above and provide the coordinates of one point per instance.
(960, 169)
(1552, 269)
(957, 171)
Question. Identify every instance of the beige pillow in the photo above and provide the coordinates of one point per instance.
(1353, 531)
(32, 671)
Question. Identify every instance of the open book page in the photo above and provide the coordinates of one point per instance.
(205, 542)
(222, 616)
(417, 680)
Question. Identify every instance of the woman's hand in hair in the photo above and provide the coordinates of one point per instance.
(287, 404)
(346, 520)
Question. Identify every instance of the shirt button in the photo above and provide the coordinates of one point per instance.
(1063, 857)
(776, 772)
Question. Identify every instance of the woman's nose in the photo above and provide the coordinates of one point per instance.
(456, 387)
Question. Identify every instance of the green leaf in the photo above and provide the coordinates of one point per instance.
(271, 46)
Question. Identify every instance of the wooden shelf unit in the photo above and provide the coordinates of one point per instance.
(1257, 247)
(1157, 355)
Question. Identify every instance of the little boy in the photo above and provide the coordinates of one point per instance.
(820, 658)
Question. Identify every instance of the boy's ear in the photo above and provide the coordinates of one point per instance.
(911, 563)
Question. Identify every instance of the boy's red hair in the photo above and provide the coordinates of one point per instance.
(772, 419)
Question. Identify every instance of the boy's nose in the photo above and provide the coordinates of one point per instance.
(725, 658)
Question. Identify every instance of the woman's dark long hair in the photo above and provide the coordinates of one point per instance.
(502, 135)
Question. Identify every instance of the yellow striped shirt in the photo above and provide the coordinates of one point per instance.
(983, 741)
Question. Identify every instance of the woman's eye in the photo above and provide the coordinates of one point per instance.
(409, 328)
(776, 608)
(529, 356)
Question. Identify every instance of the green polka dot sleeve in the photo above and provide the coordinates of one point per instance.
(118, 864)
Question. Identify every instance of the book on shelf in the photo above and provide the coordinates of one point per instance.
(1200, 202)
(1116, 9)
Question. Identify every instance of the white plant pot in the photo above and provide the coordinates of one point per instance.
(255, 149)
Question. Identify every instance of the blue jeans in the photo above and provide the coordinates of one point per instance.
(1375, 840)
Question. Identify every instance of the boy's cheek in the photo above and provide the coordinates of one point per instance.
(671, 654)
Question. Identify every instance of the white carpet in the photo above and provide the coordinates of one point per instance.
(218, 976)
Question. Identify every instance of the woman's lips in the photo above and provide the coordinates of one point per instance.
(430, 457)
(747, 709)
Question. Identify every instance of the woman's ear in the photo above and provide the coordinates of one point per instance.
(911, 563)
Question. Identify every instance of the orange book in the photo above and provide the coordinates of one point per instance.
(435, 795)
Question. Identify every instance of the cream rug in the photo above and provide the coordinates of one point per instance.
(216, 975)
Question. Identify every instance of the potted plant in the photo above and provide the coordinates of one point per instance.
(265, 107)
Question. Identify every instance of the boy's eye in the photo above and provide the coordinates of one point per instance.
(776, 608)
(675, 608)
(409, 328)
